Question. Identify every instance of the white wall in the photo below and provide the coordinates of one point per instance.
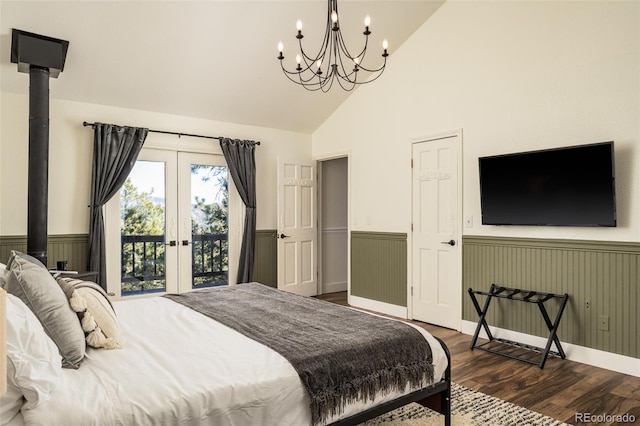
(71, 148)
(1, 149)
(515, 76)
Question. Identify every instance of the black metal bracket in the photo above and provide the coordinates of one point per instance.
(527, 296)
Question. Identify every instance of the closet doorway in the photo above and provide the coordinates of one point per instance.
(333, 225)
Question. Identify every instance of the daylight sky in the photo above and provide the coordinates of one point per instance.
(148, 176)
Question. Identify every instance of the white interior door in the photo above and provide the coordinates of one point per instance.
(436, 251)
(297, 257)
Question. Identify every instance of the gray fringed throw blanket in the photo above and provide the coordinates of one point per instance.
(341, 355)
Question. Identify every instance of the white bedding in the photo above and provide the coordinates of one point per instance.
(180, 367)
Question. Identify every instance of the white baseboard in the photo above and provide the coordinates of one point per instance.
(381, 307)
(334, 287)
(597, 358)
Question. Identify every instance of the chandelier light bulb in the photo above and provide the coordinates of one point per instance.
(356, 60)
(367, 21)
(334, 16)
(299, 25)
(385, 44)
(319, 63)
(298, 59)
(280, 48)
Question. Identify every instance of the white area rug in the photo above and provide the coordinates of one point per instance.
(469, 407)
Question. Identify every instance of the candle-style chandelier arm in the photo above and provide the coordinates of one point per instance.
(333, 61)
(360, 56)
(310, 80)
(326, 40)
(309, 61)
(348, 74)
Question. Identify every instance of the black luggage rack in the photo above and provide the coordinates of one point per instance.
(522, 296)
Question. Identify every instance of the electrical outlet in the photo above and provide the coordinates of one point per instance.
(587, 304)
(603, 323)
(468, 221)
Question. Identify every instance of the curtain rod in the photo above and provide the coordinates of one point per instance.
(85, 124)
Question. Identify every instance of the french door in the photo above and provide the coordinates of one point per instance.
(176, 211)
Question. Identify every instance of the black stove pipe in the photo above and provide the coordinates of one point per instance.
(37, 206)
(41, 57)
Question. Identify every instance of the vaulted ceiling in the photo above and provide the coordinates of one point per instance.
(206, 59)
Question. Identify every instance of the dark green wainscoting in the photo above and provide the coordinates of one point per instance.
(379, 266)
(73, 247)
(265, 267)
(602, 280)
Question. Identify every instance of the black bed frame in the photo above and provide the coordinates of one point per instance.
(439, 392)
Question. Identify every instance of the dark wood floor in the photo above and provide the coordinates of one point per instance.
(561, 390)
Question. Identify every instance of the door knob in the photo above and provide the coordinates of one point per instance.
(450, 242)
(283, 236)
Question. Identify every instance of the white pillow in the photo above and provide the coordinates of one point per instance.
(10, 404)
(33, 361)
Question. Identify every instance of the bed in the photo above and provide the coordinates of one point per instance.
(178, 366)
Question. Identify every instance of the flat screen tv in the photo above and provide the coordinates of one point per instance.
(570, 186)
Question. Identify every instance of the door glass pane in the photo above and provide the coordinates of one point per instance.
(142, 229)
(209, 225)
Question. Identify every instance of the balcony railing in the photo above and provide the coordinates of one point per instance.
(210, 260)
(143, 262)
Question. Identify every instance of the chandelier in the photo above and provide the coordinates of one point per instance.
(333, 62)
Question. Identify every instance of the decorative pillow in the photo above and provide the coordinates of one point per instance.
(97, 317)
(22, 256)
(38, 290)
(33, 360)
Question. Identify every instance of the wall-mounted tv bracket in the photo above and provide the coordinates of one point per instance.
(526, 296)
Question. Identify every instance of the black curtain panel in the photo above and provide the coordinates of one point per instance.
(240, 156)
(115, 150)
